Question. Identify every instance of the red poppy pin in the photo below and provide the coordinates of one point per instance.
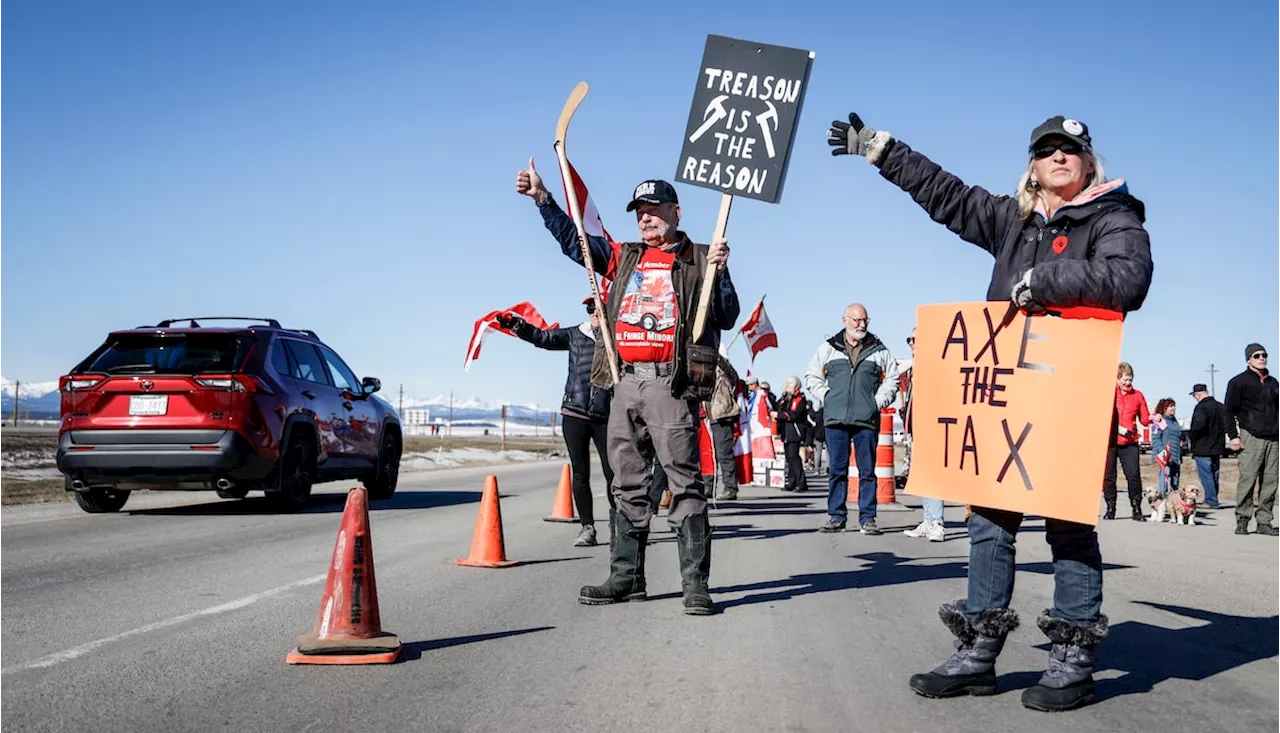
(1059, 245)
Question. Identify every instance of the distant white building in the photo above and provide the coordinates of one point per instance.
(416, 421)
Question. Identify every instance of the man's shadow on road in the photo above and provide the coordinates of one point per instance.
(1149, 655)
(415, 649)
(883, 568)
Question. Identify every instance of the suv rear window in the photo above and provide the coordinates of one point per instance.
(195, 353)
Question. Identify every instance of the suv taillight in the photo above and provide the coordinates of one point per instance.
(235, 383)
(69, 383)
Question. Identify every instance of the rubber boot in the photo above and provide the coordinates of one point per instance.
(1111, 507)
(1138, 515)
(613, 519)
(972, 669)
(1068, 682)
(626, 567)
(693, 542)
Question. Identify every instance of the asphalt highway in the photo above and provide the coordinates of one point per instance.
(177, 613)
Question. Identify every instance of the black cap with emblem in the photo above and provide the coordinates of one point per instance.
(653, 192)
(1062, 127)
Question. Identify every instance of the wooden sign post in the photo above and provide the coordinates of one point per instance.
(746, 105)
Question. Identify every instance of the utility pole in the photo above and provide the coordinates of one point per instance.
(17, 388)
(504, 427)
(1212, 371)
(401, 408)
(450, 413)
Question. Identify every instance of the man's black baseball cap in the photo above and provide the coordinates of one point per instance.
(1062, 127)
(653, 192)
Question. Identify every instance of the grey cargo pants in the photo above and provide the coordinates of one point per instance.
(1258, 464)
(645, 408)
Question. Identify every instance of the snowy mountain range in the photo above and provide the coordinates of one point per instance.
(474, 409)
(40, 400)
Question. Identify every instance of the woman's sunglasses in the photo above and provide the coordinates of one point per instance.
(911, 341)
(1067, 146)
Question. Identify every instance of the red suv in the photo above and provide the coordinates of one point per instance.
(231, 408)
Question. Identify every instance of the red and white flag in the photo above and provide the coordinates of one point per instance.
(591, 221)
(760, 428)
(742, 442)
(759, 331)
(489, 323)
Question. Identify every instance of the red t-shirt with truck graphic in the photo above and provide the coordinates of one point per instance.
(646, 326)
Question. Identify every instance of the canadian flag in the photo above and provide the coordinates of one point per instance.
(742, 442)
(489, 323)
(741, 445)
(760, 428)
(590, 214)
(759, 331)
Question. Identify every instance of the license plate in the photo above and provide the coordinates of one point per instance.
(148, 404)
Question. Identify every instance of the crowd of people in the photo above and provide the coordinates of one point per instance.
(1069, 236)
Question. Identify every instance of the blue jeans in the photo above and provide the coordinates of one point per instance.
(839, 438)
(1170, 477)
(932, 510)
(1077, 566)
(1207, 467)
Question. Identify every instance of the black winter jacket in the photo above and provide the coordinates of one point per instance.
(1095, 253)
(793, 418)
(1252, 402)
(1207, 428)
(579, 394)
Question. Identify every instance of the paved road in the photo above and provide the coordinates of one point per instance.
(177, 617)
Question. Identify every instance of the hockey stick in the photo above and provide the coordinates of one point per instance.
(575, 211)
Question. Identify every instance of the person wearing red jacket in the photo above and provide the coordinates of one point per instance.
(1131, 408)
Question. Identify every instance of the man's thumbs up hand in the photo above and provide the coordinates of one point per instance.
(529, 183)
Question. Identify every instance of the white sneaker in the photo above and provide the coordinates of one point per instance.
(937, 533)
(921, 530)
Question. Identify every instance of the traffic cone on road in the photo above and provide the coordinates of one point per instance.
(886, 467)
(563, 509)
(488, 548)
(348, 628)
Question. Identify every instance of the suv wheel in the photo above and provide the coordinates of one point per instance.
(290, 484)
(101, 501)
(382, 483)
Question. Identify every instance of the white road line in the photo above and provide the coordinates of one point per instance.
(79, 651)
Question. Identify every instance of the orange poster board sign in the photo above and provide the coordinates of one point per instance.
(1013, 411)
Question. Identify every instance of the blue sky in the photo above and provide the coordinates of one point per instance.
(350, 168)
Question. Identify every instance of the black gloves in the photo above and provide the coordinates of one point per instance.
(855, 138)
(509, 322)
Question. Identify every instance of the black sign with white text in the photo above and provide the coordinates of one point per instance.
(745, 108)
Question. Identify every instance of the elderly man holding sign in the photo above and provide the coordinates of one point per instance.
(666, 371)
(1068, 237)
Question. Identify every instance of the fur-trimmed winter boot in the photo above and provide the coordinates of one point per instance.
(626, 567)
(972, 669)
(1068, 682)
(693, 543)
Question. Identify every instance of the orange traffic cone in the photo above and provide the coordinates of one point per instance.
(488, 549)
(563, 509)
(348, 628)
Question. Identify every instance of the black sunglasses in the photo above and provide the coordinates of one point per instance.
(591, 308)
(1070, 147)
(1259, 355)
(910, 341)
